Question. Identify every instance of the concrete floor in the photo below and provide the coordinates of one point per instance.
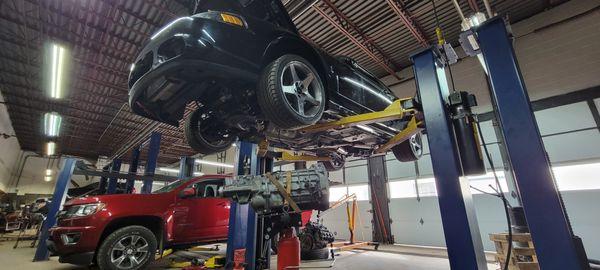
(20, 258)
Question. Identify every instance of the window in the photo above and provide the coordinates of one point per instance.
(403, 189)
(336, 193)
(427, 187)
(483, 182)
(577, 177)
(207, 188)
(362, 192)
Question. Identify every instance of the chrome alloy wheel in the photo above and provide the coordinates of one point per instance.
(303, 93)
(416, 144)
(129, 252)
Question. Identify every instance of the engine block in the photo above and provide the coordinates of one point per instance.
(307, 188)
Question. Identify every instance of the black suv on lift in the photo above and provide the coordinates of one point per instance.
(249, 74)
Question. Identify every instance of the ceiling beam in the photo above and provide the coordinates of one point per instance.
(344, 25)
(408, 22)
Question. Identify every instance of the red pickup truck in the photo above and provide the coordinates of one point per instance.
(123, 231)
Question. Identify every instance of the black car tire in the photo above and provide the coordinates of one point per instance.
(315, 254)
(110, 243)
(200, 142)
(274, 100)
(337, 162)
(409, 150)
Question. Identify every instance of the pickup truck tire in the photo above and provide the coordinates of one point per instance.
(290, 92)
(131, 248)
(195, 131)
(409, 150)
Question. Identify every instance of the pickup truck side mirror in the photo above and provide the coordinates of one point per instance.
(188, 192)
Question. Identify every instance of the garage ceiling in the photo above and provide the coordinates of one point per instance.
(104, 36)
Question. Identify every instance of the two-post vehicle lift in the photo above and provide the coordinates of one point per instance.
(436, 110)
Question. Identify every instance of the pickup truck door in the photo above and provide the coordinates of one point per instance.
(203, 217)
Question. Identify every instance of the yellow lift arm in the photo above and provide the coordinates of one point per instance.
(394, 111)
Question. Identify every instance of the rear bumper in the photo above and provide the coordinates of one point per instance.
(178, 66)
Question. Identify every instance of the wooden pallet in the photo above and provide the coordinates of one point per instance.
(523, 255)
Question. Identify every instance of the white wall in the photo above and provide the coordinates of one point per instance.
(9, 148)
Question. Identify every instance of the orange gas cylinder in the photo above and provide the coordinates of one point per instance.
(288, 250)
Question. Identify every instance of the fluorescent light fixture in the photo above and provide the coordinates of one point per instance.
(213, 163)
(47, 178)
(48, 172)
(50, 148)
(169, 25)
(57, 70)
(52, 123)
(162, 169)
(234, 145)
(172, 170)
(477, 19)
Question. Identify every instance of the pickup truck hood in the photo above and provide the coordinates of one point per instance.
(108, 199)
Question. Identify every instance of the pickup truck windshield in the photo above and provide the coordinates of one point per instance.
(169, 187)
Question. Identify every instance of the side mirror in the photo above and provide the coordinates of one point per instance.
(187, 193)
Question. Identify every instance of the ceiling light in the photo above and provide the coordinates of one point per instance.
(48, 172)
(212, 163)
(57, 70)
(172, 170)
(52, 123)
(47, 178)
(168, 170)
(50, 149)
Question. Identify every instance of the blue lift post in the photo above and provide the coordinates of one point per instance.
(461, 231)
(151, 161)
(103, 180)
(112, 181)
(243, 221)
(60, 194)
(186, 167)
(551, 232)
(133, 166)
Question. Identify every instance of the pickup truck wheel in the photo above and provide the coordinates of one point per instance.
(128, 248)
(409, 150)
(206, 134)
(290, 92)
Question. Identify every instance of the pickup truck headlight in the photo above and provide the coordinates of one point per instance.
(82, 210)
